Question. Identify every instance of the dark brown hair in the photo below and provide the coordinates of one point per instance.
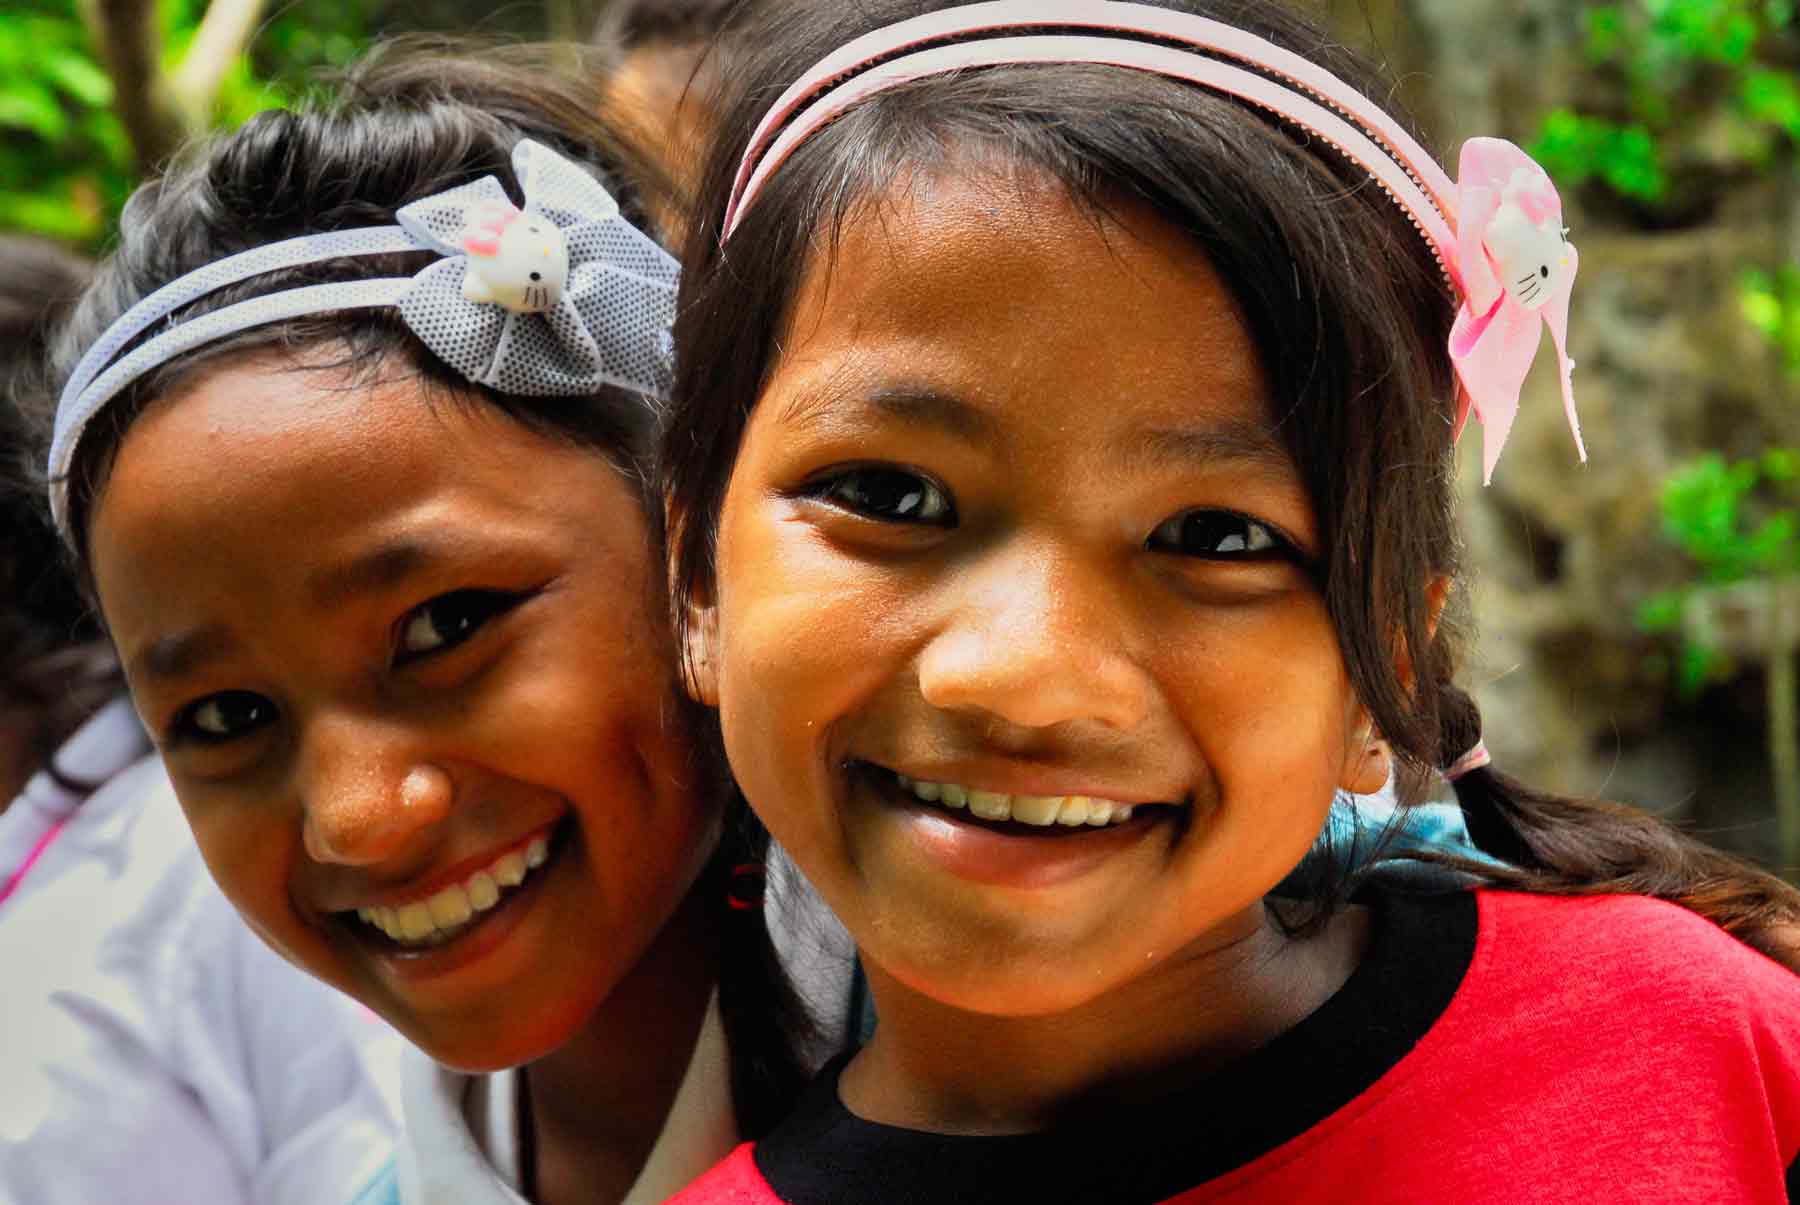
(1341, 296)
(411, 120)
(632, 24)
(57, 669)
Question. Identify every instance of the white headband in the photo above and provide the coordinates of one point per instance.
(558, 299)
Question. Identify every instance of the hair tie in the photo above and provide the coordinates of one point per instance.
(556, 299)
(1506, 256)
(744, 891)
(1474, 759)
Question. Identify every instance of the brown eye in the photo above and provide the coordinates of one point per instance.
(222, 717)
(1215, 535)
(890, 494)
(448, 620)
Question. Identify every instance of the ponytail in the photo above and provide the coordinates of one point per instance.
(1556, 845)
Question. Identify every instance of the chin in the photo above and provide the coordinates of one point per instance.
(994, 983)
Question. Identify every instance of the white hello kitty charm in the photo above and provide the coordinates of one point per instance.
(1531, 257)
(516, 260)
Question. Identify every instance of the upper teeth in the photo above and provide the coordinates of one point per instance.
(441, 916)
(1040, 810)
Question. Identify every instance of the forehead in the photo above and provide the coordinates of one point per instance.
(1003, 283)
(258, 477)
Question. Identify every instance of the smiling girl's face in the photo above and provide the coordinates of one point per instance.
(398, 658)
(1010, 535)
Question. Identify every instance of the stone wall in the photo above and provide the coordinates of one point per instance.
(1575, 698)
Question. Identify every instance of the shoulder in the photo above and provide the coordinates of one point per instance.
(1628, 944)
(736, 1181)
(1604, 987)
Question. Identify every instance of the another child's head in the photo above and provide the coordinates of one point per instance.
(57, 669)
(1056, 431)
(394, 631)
(669, 59)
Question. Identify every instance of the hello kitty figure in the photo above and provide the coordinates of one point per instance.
(1529, 253)
(1517, 271)
(516, 260)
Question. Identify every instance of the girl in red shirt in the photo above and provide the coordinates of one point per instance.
(1060, 490)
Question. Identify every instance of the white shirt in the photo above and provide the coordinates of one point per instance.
(152, 1048)
(461, 1140)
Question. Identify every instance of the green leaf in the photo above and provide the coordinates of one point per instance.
(1695, 667)
(26, 104)
(80, 77)
(1605, 30)
(1662, 612)
(1773, 97)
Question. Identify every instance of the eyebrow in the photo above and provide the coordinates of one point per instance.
(1208, 444)
(1222, 441)
(181, 654)
(374, 571)
(913, 404)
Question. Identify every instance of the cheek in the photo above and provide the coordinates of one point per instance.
(251, 851)
(800, 642)
(1268, 701)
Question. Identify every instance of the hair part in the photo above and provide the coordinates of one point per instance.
(1342, 297)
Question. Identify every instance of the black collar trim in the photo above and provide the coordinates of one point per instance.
(1421, 950)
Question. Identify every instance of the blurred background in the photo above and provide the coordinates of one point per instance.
(1638, 617)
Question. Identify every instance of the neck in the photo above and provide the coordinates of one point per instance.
(600, 1101)
(944, 1070)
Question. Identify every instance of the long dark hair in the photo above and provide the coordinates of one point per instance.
(1340, 294)
(409, 121)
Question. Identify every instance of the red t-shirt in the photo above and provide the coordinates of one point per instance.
(1491, 1047)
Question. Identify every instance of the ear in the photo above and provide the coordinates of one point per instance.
(698, 621)
(700, 653)
(1437, 596)
(1367, 761)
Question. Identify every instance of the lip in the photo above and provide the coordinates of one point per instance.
(1026, 780)
(1015, 857)
(423, 889)
(480, 939)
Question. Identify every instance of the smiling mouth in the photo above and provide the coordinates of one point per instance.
(1033, 815)
(453, 911)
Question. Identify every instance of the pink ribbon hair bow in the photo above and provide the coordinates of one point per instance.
(1517, 272)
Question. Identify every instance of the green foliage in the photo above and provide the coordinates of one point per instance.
(1574, 148)
(1735, 521)
(1771, 303)
(65, 163)
(1672, 67)
(65, 160)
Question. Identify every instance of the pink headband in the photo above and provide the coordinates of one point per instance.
(1507, 258)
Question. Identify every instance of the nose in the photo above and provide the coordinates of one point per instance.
(367, 794)
(1037, 640)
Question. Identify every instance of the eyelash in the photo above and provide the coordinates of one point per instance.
(257, 711)
(185, 728)
(830, 490)
(1260, 540)
(480, 606)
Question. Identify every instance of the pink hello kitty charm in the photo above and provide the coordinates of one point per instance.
(515, 260)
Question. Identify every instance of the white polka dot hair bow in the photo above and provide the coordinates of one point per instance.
(560, 298)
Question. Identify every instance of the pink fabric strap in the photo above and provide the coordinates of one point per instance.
(37, 851)
(1474, 759)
